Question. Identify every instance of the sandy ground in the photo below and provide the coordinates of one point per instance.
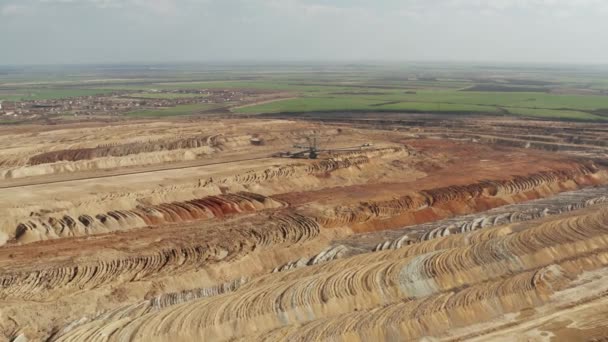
(171, 230)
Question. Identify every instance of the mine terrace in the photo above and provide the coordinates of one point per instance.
(357, 205)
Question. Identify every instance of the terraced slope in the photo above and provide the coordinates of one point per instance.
(580, 139)
(186, 230)
(408, 292)
(144, 216)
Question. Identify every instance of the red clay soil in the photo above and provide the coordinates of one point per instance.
(462, 163)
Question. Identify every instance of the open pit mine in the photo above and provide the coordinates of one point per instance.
(321, 227)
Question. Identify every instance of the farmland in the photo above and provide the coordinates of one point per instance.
(28, 93)
(158, 95)
(173, 111)
(460, 90)
(525, 104)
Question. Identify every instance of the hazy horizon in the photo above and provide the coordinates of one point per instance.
(49, 32)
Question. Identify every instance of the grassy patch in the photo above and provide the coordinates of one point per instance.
(525, 104)
(257, 85)
(554, 114)
(312, 104)
(504, 88)
(438, 107)
(373, 89)
(322, 104)
(10, 121)
(174, 111)
(506, 99)
(50, 94)
(165, 95)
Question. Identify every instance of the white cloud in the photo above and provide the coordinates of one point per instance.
(12, 10)
(530, 5)
(518, 30)
(96, 3)
(158, 6)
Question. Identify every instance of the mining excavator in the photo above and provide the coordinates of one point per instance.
(311, 150)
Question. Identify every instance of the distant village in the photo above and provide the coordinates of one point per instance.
(116, 103)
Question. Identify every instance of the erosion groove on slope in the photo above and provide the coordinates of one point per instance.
(154, 232)
(420, 317)
(366, 211)
(177, 212)
(40, 282)
(157, 303)
(398, 238)
(64, 153)
(123, 150)
(562, 203)
(373, 280)
(408, 320)
(580, 139)
(341, 161)
(42, 226)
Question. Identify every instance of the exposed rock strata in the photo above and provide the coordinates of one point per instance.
(501, 274)
(177, 212)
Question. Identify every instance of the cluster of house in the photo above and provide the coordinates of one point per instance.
(9, 108)
(211, 95)
(114, 103)
(78, 105)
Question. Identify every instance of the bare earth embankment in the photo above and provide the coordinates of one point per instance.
(405, 227)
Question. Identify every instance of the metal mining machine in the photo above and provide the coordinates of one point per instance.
(311, 150)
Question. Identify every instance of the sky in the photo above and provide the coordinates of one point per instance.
(120, 31)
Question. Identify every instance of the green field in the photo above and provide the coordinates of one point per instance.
(525, 104)
(265, 85)
(173, 111)
(49, 94)
(555, 114)
(168, 96)
(431, 88)
(320, 104)
(434, 96)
